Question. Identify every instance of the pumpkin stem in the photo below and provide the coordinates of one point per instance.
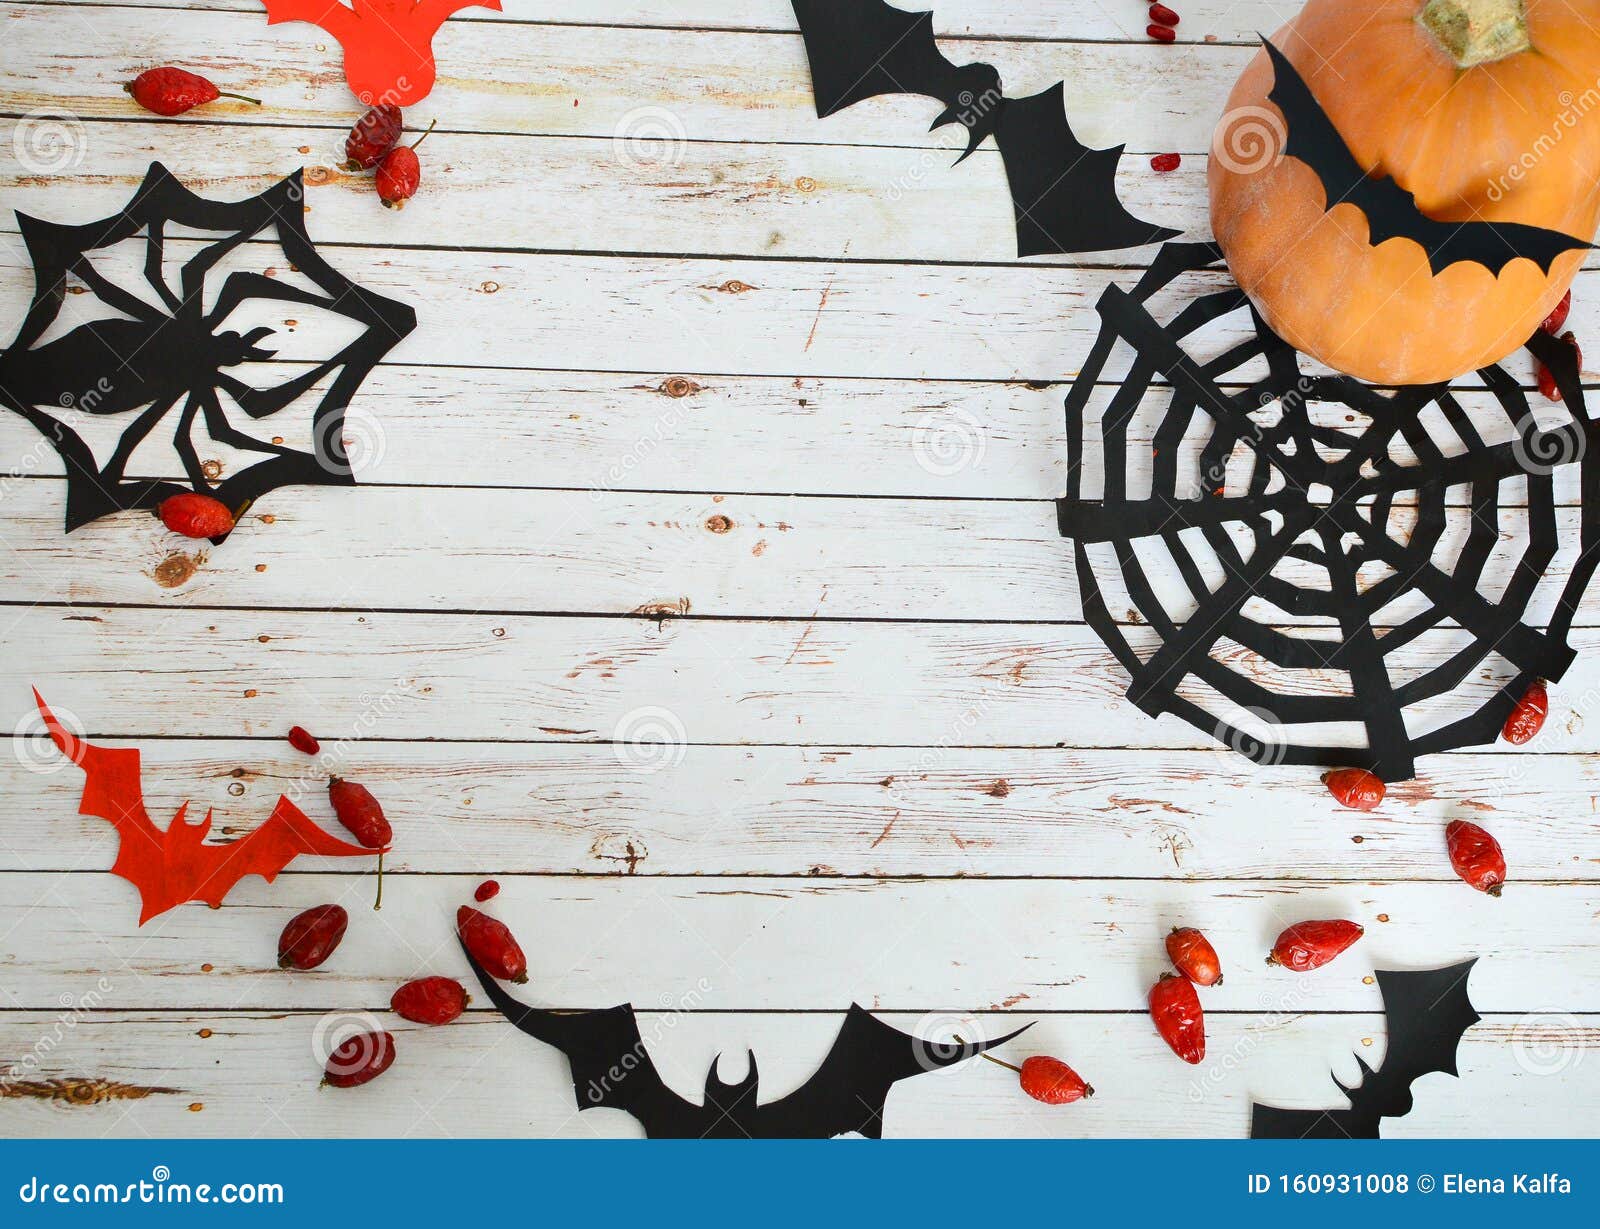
(1478, 31)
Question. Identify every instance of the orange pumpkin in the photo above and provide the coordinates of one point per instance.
(1486, 110)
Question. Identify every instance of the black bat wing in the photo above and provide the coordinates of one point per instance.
(1065, 193)
(850, 1089)
(1427, 1014)
(611, 1068)
(862, 49)
(1392, 211)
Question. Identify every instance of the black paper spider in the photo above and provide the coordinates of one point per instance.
(170, 357)
(1300, 588)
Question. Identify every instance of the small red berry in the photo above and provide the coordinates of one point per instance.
(430, 1000)
(1162, 34)
(359, 1060)
(1162, 15)
(487, 890)
(1355, 788)
(311, 937)
(172, 91)
(491, 943)
(195, 516)
(301, 739)
(1476, 856)
(1528, 717)
(1192, 955)
(1553, 322)
(1175, 1009)
(1310, 945)
(1165, 163)
(373, 135)
(1050, 1080)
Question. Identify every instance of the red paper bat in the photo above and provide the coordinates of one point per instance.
(388, 44)
(175, 866)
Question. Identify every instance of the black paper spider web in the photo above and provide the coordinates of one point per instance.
(1320, 498)
(161, 362)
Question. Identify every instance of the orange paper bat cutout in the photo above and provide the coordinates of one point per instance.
(388, 44)
(172, 867)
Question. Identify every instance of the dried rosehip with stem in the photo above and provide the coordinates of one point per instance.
(373, 136)
(1192, 955)
(1528, 717)
(171, 91)
(400, 173)
(430, 1000)
(311, 937)
(490, 942)
(1045, 1079)
(1310, 945)
(1355, 788)
(360, 813)
(1179, 1018)
(1476, 856)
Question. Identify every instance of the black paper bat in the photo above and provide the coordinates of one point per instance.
(168, 354)
(1064, 193)
(611, 1069)
(1427, 1014)
(1392, 211)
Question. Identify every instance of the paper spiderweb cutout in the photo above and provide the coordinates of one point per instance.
(1272, 584)
(165, 357)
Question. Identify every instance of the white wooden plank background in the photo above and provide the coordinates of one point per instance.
(666, 453)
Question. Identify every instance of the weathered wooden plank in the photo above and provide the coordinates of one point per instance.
(1203, 20)
(573, 194)
(597, 80)
(727, 316)
(785, 944)
(237, 1073)
(687, 431)
(612, 553)
(488, 677)
(504, 809)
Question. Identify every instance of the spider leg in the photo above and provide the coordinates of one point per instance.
(183, 441)
(264, 402)
(200, 264)
(244, 285)
(135, 435)
(154, 259)
(114, 295)
(224, 432)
